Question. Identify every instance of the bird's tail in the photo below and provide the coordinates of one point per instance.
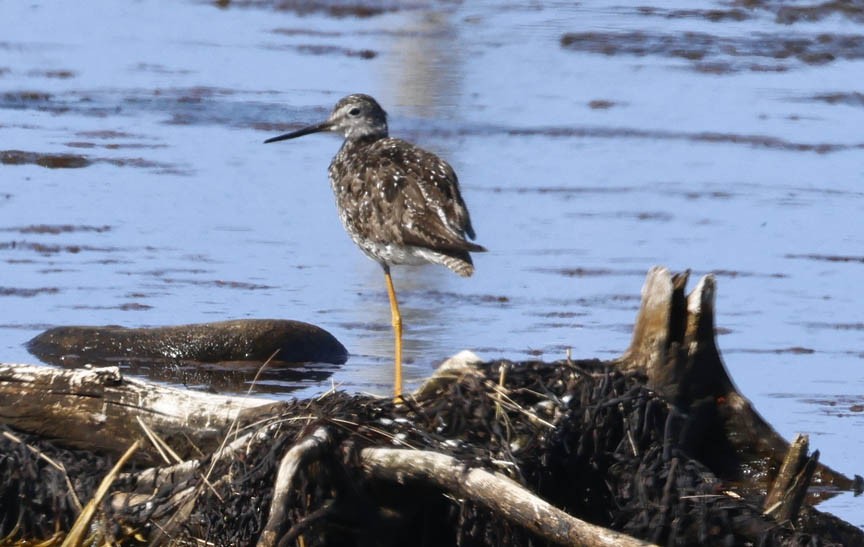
(458, 261)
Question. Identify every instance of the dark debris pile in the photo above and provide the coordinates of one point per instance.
(35, 498)
(591, 440)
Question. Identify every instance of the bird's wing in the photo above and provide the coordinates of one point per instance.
(422, 192)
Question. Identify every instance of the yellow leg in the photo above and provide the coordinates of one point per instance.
(397, 332)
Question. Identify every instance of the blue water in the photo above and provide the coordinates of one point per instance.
(582, 168)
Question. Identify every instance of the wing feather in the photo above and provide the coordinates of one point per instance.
(420, 204)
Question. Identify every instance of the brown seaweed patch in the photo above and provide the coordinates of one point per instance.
(165, 271)
(756, 141)
(321, 49)
(129, 306)
(334, 8)
(698, 46)
(338, 50)
(827, 258)
(472, 299)
(559, 314)
(578, 190)
(26, 96)
(850, 99)
(837, 405)
(45, 249)
(712, 15)
(792, 350)
(55, 229)
(738, 273)
(306, 32)
(656, 216)
(27, 293)
(788, 14)
(587, 272)
(836, 326)
(51, 161)
(219, 283)
(365, 326)
(159, 69)
(116, 146)
(104, 134)
(75, 161)
(137, 162)
(601, 104)
(58, 74)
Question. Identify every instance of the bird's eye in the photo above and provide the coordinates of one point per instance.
(354, 111)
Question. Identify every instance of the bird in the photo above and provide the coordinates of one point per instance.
(399, 203)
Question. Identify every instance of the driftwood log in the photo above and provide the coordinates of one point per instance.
(655, 447)
(236, 340)
(222, 356)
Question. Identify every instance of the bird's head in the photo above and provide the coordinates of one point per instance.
(353, 116)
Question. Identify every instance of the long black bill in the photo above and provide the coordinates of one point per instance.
(317, 128)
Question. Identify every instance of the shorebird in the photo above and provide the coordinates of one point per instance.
(399, 203)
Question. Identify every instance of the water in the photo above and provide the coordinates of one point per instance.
(725, 141)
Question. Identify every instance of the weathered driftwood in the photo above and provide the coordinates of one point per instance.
(789, 489)
(674, 346)
(700, 426)
(493, 490)
(98, 409)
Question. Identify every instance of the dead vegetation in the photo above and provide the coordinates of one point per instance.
(497, 453)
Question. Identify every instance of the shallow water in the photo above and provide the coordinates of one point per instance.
(591, 141)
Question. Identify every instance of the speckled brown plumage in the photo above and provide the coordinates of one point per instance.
(400, 203)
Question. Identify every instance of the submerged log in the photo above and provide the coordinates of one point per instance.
(587, 441)
(237, 340)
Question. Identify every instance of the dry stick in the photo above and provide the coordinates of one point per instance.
(299, 456)
(152, 437)
(82, 524)
(500, 397)
(492, 490)
(502, 377)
